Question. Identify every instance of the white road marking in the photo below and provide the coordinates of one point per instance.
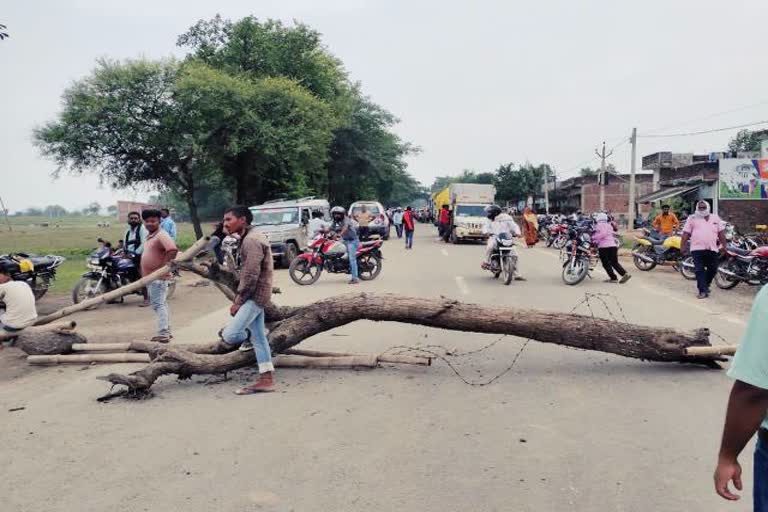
(462, 285)
(444, 251)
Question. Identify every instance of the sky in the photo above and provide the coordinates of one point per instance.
(475, 84)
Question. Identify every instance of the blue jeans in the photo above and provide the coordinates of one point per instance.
(408, 239)
(158, 293)
(250, 317)
(705, 265)
(760, 475)
(352, 246)
(399, 229)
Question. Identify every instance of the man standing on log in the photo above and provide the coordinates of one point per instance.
(747, 408)
(254, 292)
(159, 250)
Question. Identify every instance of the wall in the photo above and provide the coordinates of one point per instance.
(706, 171)
(616, 194)
(744, 213)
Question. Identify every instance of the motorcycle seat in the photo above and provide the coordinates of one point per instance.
(369, 243)
(655, 240)
(42, 261)
(738, 250)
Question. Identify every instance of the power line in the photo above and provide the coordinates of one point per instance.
(702, 132)
(709, 116)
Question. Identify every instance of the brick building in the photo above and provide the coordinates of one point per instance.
(583, 193)
(125, 207)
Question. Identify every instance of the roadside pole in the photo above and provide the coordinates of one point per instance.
(546, 193)
(633, 168)
(601, 178)
(5, 213)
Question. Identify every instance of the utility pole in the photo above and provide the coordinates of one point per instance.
(5, 212)
(601, 178)
(633, 169)
(546, 193)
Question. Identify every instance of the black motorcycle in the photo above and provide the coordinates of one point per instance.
(579, 256)
(38, 272)
(109, 271)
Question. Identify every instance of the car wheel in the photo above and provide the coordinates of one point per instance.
(291, 251)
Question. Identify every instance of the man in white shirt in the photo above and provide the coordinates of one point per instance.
(397, 219)
(499, 223)
(316, 225)
(20, 311)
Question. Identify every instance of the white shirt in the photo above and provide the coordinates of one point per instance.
(20, 311)
(316, 226)
(503, 223)
(397, 218)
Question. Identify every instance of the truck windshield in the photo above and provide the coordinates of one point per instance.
(467, 210)
(271, 216)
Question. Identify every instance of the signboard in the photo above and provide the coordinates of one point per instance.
(743, 178)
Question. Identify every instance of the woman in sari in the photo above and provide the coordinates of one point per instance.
(530, 227)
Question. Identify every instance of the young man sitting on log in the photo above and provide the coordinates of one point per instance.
(20, 311)
(253, 293)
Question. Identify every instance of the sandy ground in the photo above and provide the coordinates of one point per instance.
(564, 430)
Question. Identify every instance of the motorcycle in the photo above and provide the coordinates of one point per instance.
(109, 271)
(328, 253)
(742, 266)
(558, 235)
(38, 272)
(579, 256)
(654, 249)
(503, 259)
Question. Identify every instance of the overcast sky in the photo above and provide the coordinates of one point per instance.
(474, 83)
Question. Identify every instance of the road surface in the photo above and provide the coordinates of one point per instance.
(563, 430)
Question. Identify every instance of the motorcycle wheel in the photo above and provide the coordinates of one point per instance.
(508, 269)
(41, 287)
(303, 272)
(687, 268)
(369, 267)
(573, 275)
(643, 265)
(88, 288)
(722, 281)
(560, 242)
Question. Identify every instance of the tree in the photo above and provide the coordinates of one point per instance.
(587, 171)
(54, 211)
(3, 33)
(112, 209)
(34, 212)
(746, 140)
(122, 122)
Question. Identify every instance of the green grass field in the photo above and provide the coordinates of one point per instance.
(71, 237)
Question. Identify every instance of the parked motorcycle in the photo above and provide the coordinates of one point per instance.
(503, 259)
(108, 271)
(328, 253)
(579, 256)
(654, 249)
(558, 235)
(38, 272)
(742, 266)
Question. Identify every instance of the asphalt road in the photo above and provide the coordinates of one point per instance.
(563, 430)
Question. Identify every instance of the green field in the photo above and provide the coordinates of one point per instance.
(71, 237)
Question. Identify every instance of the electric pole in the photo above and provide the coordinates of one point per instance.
(546, 192)
(633, 169)
(5, 213)
(601, 178)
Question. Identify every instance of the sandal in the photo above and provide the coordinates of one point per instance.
(161, 339)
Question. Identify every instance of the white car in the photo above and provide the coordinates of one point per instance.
(380, 223)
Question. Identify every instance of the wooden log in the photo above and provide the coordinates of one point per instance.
(101, 347)
(64, 326)
(722, 350)
(125, 290)
(382, 358)
(89, 358)
(48, 341)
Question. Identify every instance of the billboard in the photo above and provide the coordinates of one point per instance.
(743, 178)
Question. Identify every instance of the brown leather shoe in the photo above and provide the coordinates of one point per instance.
(265, 384)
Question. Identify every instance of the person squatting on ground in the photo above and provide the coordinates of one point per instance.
(608, 249)
(705, 231)
(345, 228)
(499, 223)
(409, 223)
(20, 311)
(159, 250)
(254, 292)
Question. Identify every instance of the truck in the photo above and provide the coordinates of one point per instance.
(467, 202)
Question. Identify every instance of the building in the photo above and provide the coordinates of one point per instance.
(125, 207)
(734, 184)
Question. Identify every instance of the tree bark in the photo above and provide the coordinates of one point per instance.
(290, 326)
(193, 213)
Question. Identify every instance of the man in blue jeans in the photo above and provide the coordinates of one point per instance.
(747, 408)
(254, 292)
(345, 227)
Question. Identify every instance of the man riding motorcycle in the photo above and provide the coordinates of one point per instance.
(346, 229)
(499, 223)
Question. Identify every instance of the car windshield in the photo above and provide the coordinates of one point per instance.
(272, 216)
(373, 209)
(466, 210)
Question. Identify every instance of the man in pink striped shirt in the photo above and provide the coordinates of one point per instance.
(706, 232)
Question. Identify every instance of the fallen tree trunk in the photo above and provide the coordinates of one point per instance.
(125, 290)
(291, 326)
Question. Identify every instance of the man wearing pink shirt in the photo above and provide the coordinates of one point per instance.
(706, 232)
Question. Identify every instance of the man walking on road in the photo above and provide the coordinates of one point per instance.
(397, 220)
(134, 246)
(159, 250)
(666, 223)
(747, 406)
(409, 223)
(167, 224)
(704, 230)
(254, 291)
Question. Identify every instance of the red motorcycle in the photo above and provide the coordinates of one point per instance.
(558, 235)
(743, 266)
(330, 254)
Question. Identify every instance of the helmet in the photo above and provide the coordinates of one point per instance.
(492, 211)
(338, 211)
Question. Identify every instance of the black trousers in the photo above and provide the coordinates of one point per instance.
(609, 257)
(705, 265)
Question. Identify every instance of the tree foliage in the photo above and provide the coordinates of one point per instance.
(513, 183)
(746, 140)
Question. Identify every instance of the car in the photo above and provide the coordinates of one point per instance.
(284, 223)
(380, 223)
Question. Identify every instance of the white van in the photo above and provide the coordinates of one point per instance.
(284, 222)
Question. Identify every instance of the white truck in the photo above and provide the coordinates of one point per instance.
(467, 204)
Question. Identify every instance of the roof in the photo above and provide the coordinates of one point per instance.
(666, 193)
(304, 201)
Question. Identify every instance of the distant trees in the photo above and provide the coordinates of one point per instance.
(746, 140)
(3, 33)
(55, 211)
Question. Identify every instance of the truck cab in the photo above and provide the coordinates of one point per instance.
(284, 223)
(467, 203)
